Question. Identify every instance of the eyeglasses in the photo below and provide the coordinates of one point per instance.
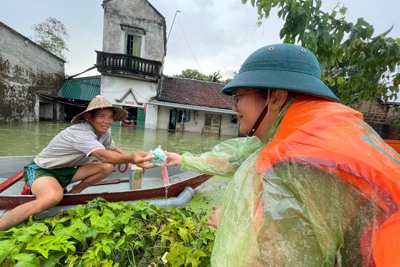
(236, 96)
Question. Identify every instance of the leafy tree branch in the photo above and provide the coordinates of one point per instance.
(52, 35)
(356, 64)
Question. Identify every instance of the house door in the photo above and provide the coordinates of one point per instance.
(173, 113)
(141, 117)
(212, 125)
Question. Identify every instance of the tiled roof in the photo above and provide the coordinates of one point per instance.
(174, 90)
(194, 92)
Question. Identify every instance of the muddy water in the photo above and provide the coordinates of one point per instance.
(17, 139)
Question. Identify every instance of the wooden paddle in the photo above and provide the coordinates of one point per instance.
(111, 181)
(11, 180)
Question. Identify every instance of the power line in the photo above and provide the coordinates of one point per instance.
(189, 46)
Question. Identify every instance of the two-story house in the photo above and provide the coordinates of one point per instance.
(131, 64)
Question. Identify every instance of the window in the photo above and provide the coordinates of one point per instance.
(212, 125)
(134, 45)
(133, 40)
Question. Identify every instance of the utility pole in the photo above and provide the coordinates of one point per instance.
(173, 21)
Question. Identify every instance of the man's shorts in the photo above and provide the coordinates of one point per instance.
(63, 175)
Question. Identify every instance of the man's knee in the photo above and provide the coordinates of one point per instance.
(52, 199)
(107, 169)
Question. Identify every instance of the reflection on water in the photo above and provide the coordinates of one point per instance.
(17, 139)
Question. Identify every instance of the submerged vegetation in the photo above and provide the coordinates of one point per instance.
(102, 233)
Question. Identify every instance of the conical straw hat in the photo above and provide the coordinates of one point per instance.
(100, 102)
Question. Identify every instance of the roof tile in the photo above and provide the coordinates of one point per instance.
(194, 92)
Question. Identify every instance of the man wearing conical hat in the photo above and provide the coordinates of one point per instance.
(312, 184)
(67, 160)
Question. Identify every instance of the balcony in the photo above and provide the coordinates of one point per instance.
(127, 66)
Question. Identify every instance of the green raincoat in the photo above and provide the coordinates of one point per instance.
(309, 215)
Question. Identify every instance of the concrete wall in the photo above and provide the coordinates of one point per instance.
(130, 93)
(138, 14)
(152, 117)
(122, 17)
(196, 123)
(25, 69)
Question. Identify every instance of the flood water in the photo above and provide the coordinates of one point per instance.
(18, 139)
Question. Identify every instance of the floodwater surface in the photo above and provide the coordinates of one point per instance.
(28, 139)
(19, 139)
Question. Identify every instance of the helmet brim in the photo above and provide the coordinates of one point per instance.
(280, 79)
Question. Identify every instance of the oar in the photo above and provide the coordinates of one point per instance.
(112, 181)
(11, 180)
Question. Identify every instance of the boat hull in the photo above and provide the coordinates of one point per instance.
(10, 201)
(114, 189)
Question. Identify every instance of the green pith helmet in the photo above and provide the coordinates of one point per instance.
(281, 66)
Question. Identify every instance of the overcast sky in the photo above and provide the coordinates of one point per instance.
(207, 35)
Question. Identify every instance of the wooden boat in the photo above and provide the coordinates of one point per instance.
(115, 188)
(128, 125)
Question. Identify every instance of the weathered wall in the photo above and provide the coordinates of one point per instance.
(196, 122)
(25, 70)
(377, 115)
(140, 15)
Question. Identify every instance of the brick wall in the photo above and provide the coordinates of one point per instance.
(377, 115)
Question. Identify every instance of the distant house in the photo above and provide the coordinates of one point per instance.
(130, 63)
(32, 84)
(134, 47)
(181, 104)
(28, 75)
(194, 106)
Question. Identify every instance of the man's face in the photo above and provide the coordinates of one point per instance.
(102, 120)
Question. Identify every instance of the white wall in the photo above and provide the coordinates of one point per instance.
(227, 127)
(151, 116)
(196, 124)
(113, 88)
(138, 14)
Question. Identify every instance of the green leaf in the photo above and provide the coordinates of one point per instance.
(43, 244)
(27, 260)
(194, 258)
(26, 234)
(184, 234)
(7, 248)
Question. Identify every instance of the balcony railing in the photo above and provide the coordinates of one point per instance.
(122, 64)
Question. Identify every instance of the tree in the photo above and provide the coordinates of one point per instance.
(192, 74)
(356, 64)
(52, 35)
(196, 75)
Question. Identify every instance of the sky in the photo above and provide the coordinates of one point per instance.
(206, 35)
